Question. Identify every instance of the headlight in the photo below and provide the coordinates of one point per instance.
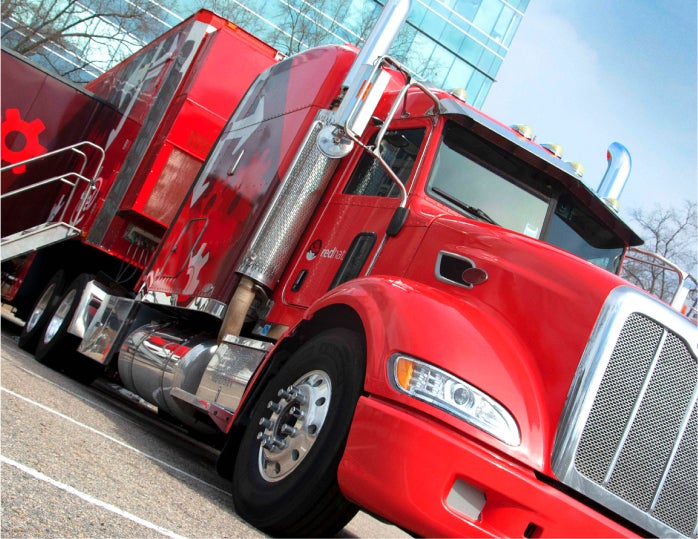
(453, 395)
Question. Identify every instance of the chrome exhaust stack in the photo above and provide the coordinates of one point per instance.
(377, 44)
(616, 176)
(364, 84)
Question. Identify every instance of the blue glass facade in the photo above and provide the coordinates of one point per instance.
(468, 40)
(452, 43)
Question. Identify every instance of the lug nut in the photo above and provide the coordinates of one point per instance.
(288, 430)
(289, 393)
(266, 441)
(279, 443)
(274, 406)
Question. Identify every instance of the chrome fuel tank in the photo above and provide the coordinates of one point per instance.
(156, 358)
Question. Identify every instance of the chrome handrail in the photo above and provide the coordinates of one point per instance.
(381, 62)
(680, 295)
(61, 150)
(63, 178)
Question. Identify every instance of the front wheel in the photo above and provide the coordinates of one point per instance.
(285, 480)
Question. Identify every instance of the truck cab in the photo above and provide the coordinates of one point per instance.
(492, 268)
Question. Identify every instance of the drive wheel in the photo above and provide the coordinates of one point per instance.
(285, 480)
(40, 314)
(56, 347)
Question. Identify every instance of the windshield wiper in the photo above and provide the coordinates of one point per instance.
(472, 210)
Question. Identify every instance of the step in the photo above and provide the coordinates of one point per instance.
(34, 238)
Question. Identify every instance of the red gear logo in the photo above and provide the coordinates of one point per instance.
(29, 131)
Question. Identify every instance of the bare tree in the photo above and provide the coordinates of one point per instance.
(424, 66)
(671, 233)
(68, 36)
(236, 12)
(298, 24)
(72, 37)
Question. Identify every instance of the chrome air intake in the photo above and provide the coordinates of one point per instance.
(290, 211)
(628, 437)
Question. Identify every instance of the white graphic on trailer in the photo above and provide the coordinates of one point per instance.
(238, 128)
(196, 262)
(146, 71)
(55, 210)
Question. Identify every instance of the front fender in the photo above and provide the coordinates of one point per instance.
(399, 315)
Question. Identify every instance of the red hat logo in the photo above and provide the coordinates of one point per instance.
(28, 140)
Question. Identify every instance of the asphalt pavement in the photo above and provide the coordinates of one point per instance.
(77, 461)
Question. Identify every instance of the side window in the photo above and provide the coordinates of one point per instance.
(399, 149)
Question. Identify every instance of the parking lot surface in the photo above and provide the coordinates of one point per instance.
(78, 461)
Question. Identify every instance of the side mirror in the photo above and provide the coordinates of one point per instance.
(397, 221)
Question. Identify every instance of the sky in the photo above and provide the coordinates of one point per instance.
(586, 73)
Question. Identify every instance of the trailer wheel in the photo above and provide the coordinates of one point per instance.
(41, 312)
(285, 479)
(56, 347)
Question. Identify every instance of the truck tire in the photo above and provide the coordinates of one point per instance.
(56, 347)
(285, 476)
(41, 312)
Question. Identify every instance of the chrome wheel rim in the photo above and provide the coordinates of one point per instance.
(297, 417)
(59, 316)
(40, 307)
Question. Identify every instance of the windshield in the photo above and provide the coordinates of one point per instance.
(485, 183)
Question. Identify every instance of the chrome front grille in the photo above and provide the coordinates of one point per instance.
(629, 433)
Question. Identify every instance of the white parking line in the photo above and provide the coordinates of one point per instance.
(89, 499)
(94, 403)
(111, 439)
(45, 380)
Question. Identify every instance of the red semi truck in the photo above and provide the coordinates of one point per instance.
(382, 299)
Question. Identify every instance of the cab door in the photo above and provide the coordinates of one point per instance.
(347, 231)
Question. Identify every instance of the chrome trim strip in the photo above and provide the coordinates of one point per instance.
(210, 306)
(247, 342)
(190, 399)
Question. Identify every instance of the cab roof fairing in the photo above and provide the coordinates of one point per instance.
(540, 158)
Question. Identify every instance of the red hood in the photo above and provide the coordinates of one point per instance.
(546, 301)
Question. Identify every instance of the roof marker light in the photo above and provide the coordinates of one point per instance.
(577, 167)
(524, 130)
(554, 149)
(460, 93)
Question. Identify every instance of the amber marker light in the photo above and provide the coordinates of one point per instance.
(577, 167)
(404, 369)
(524, 130)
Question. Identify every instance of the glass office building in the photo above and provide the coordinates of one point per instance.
(451, 43)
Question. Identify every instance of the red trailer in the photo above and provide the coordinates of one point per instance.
(110, 163)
